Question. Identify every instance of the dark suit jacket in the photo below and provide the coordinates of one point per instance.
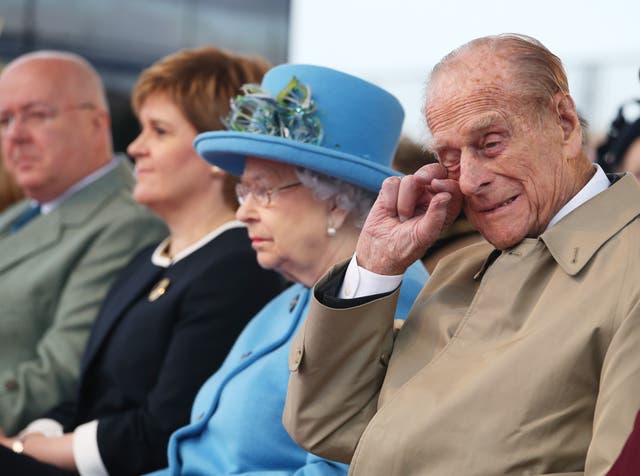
(146, 360)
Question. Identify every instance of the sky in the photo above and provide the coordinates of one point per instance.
(395, 43)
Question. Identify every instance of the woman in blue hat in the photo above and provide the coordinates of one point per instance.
(312, 146)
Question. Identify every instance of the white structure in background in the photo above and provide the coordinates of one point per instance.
(394, 43)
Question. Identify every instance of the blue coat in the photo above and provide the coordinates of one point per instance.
(236, 420)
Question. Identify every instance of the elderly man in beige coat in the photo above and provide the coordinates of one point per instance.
(517, 358)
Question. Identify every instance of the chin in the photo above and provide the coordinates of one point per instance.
(142, 197)
(503, 241)
(264, 261)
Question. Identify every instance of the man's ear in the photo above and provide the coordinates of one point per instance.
(569, 121)
(100, 120)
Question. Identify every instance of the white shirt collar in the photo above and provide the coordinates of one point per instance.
(163, 261)
(82, 183)
(598, 183)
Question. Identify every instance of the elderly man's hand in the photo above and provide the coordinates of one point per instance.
(407, 218)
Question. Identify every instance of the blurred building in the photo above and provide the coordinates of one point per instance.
(121, 37)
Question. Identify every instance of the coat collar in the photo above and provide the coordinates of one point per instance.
(46, 230)
(577, 237)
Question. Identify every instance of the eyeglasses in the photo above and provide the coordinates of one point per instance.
(37, 114)
(262, 195)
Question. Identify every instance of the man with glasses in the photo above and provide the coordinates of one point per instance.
(62, 246)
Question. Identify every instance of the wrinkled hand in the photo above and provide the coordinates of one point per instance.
(407, 218)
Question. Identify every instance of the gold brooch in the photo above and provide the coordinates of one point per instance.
(159, 289)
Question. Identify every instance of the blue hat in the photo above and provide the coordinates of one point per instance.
(314, 117)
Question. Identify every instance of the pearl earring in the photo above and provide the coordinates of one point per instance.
(331, 231)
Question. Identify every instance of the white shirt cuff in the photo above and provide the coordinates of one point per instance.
(47, 426)
(360, 282)
(86, 452)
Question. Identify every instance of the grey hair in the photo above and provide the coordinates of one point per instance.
(357, 201)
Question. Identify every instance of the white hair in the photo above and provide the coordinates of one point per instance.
(356, 200)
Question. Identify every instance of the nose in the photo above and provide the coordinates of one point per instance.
(136, 147)
(474, 173)
(15, 130)
(247, 212)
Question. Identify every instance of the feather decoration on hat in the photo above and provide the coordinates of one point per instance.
(291, 114)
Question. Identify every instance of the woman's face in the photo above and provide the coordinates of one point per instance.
(169, 172)
(289, 234)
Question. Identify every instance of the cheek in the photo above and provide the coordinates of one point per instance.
(295, 233)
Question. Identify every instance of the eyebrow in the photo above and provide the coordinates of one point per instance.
(160, 122)
(486, 121)
(260, 176)
(28, 105)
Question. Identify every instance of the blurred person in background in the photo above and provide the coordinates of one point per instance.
(176, 309)
(62, 246)
(409, 157)
(620, 151)
(9, 190)
(313, 146)
(628, 462)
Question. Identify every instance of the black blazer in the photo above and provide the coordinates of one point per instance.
(146, 360)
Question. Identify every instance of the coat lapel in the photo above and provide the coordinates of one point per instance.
(113, 308)
(41, 233)
(46, 230)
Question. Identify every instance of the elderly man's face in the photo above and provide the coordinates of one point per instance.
(509, 162)
(46, 132)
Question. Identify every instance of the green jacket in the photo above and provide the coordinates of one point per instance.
(54, 273)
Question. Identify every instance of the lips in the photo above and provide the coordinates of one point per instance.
(500, 205)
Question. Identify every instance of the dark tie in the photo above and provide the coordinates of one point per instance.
(25, 217)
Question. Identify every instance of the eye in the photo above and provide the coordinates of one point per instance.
(260, 193)
(159, 130)
(492, 144)
(36, 115)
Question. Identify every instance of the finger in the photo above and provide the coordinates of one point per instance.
(429, 175)
(388, 197)
(410, 194)
(433, 221)
(452, 187)
(431, 171)
(445, 185)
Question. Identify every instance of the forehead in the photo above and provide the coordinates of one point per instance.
(464, 99)
(258, 169)
(33, 81)
(159, 103)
